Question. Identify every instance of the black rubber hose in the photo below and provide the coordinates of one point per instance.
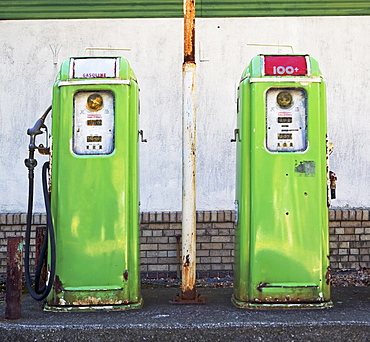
(40, 294)
(40, 265)
(50, 226)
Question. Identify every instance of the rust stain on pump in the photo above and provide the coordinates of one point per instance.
(328, 275)
(58, 285)
(281, 293)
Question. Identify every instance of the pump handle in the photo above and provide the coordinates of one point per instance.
(37, 130)
(333, 184)
(236, 135)
(141, 133)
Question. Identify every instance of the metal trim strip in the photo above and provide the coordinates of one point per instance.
(308, 65)
(286, 79)
(92, 81)
(262, 58)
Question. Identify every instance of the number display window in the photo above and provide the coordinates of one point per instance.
(93, 122)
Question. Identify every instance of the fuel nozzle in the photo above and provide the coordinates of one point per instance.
(38, 128)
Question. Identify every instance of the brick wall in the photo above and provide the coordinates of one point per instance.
(161, 231)
(349, 238)
(15, 224)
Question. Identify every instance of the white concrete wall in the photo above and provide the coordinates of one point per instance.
(28, 69)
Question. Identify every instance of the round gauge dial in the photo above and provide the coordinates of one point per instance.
(284, 99)
(94, 102)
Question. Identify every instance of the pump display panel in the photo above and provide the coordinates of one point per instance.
(286, 120)
(93, 123)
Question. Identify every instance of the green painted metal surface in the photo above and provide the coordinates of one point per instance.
(262, 8)
(68, 9)
(95, 197)
(282, 248)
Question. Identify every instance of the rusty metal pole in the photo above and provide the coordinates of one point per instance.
(13, 297)
(188, 291)
(188, 155)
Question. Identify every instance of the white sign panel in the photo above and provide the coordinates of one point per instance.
(94, 68)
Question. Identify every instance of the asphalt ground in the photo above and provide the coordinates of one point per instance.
(217, 320)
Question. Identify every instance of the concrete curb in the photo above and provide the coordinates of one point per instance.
(218, 320)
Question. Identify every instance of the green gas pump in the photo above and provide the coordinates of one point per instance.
(282, 234)
(94, 186)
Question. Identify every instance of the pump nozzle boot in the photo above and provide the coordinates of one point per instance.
(36, 130)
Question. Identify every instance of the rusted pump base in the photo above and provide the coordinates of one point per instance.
(287, 305)
(90, 308)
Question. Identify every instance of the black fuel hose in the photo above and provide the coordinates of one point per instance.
(36, 292)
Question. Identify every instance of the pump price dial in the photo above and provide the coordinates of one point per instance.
(285, 66)
(94, 138)
(94, 122)
(284, 119)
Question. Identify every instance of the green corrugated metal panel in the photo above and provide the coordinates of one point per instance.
(275, 8)
(72, 9)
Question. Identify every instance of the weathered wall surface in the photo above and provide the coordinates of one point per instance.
(31, 53)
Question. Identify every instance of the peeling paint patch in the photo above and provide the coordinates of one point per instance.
(305, 168)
